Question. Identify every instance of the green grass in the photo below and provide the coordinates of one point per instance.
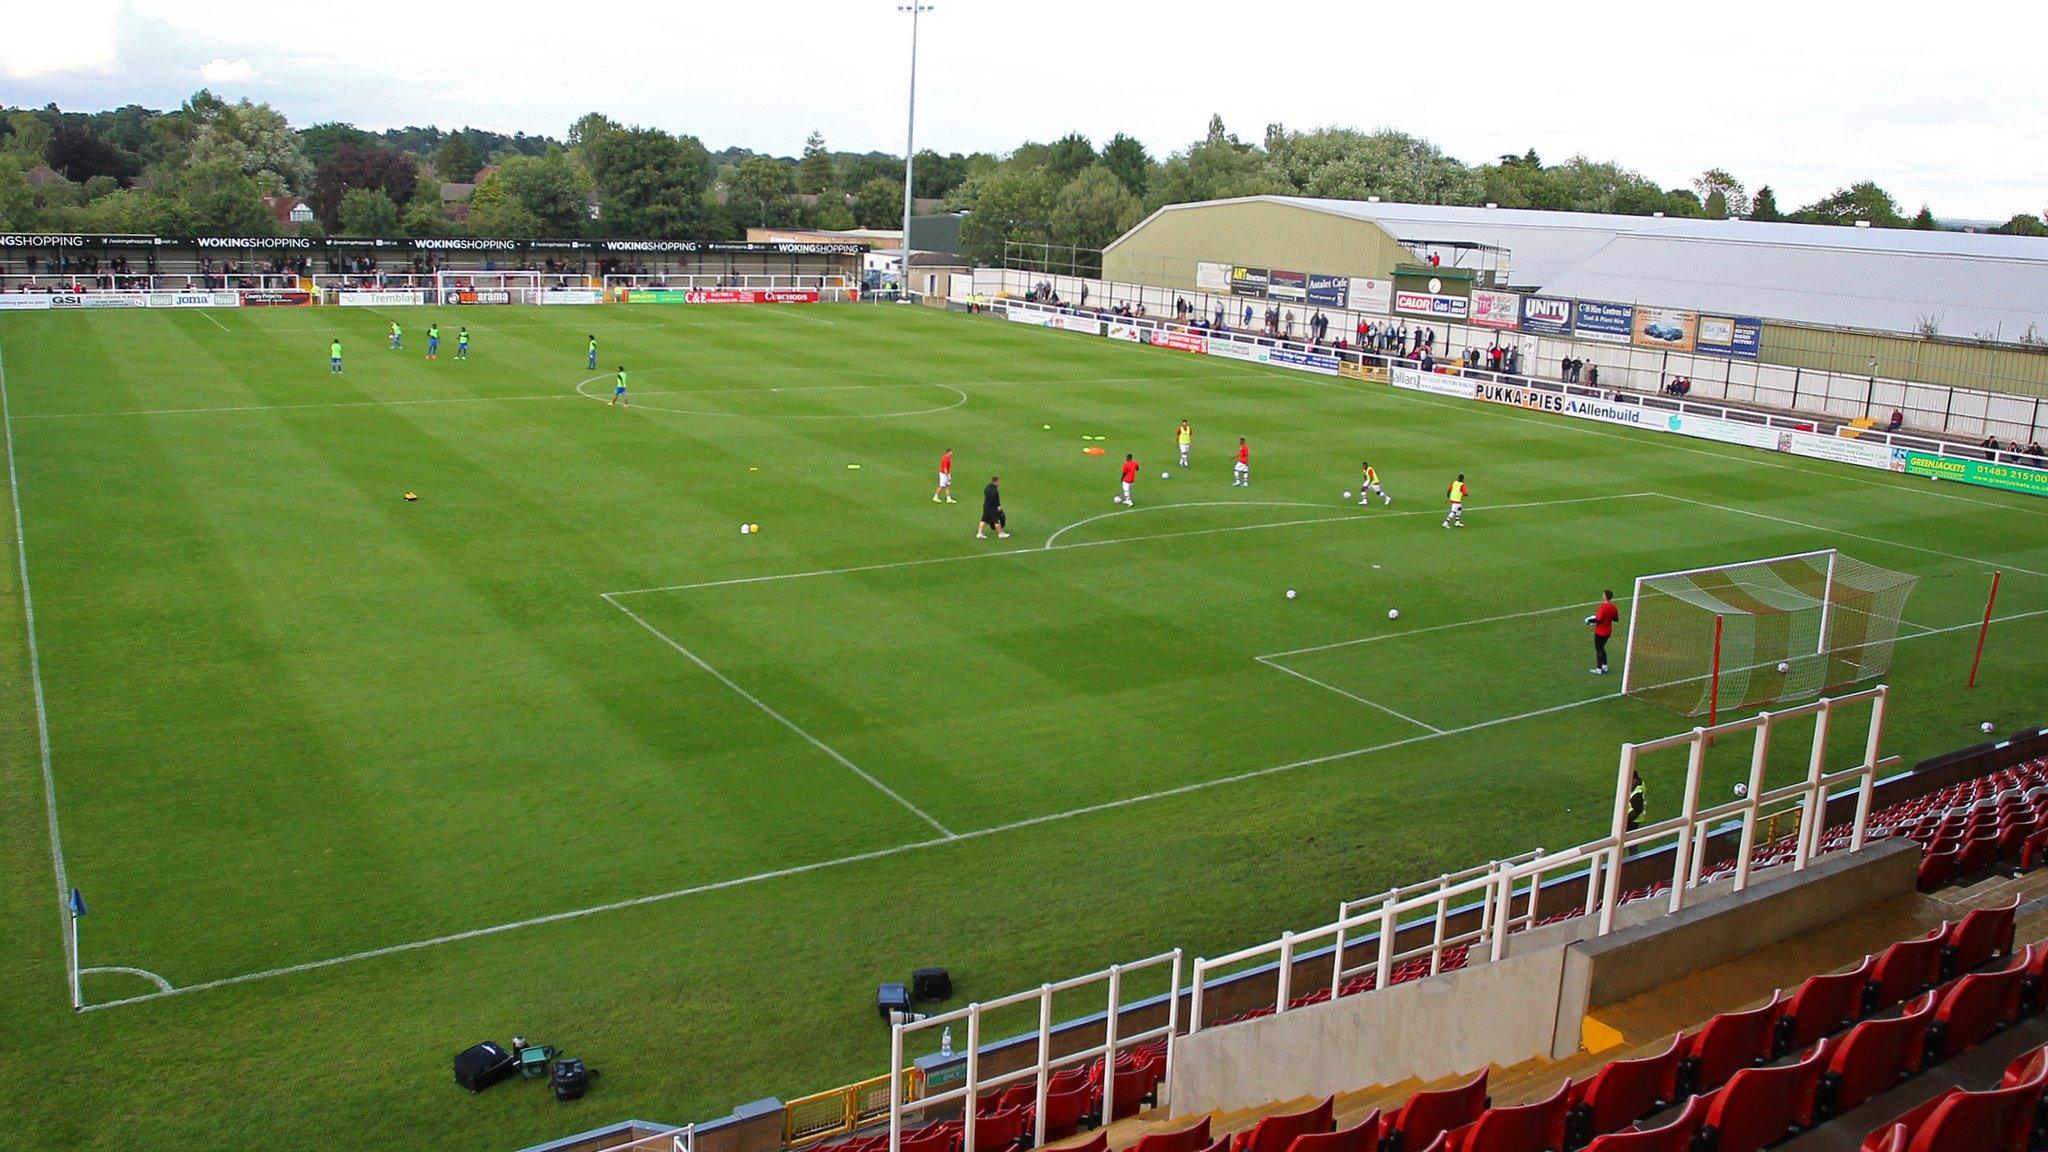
(294, 718)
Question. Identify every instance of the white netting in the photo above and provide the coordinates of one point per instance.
(1826, 619)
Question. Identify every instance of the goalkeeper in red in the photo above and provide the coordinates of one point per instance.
(1602, 620)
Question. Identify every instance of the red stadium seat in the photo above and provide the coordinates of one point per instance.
(1000, 1131)
(1193, 1138)
(930, 1138)
(1973, 1008)
(1065, 1110)
(1979, 851)
(2001, 1120)
(1676, 1136)
(1363, 1136)
(1428, 1115)
(1522, 1128)
(1760, 1105)
(1980, 937)
(1096, 1143)
(1938, 867)
(1875, 1056)
(1821, 1007)
(1729, 1043)
(1624, 1092)
(1905, 970)
(1276, 1133)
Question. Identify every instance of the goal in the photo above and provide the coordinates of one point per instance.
(1715, 638)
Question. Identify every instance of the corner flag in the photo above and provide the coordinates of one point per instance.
(76, 904)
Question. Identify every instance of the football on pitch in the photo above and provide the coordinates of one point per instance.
(1290, 593)
(1783, 667)
(1741, 789)
(1164, 475)
(1393, 613)
(1347, 496)
(1985, 726)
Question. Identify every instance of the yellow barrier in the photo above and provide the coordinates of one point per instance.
(841, 1111)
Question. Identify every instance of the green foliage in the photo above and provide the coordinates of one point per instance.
(350, 167)
(423, 215)
(814, 172)
(1093, 209)
(649, 182)
(2022, 224)
(765, 186)
(1067, 156)
(855, 171)
(80, 155)
(254, 138)
(1127, 160)
(28, 133)
(1765, 206)
(552, 193)
(830, 213)
(1924, 219)
(1863, 201)
(456, 161)
(1015, 203)
(368, 212)
(590, 128)
(879, 203)
(1342, 163)
(17, 200)
(1217, 169)
(495, 211)
(937, 176)
(219, 198)
(320, 141)
(1734, 198)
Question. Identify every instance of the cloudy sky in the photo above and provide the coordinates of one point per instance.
(1936, 105)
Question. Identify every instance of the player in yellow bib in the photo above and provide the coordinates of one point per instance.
(1371, 483)
(1184, 438)
(1456, 494)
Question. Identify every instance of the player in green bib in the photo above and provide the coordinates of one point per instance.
(334, 357)
(619, 389)
(433, 341)
(462, 344)
(593, 353)
(397, 336)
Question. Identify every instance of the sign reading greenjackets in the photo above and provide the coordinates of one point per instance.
(2010, 477)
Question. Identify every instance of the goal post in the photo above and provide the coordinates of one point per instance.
(1732, 636)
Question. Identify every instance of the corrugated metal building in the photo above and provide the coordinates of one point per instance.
(1840, 298)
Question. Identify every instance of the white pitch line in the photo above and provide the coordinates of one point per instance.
(35, 674)
(146, 974)
(778, 717)
(1347, 695)
(901, 849)
(215, 323)
(1349, 518)
(1423, 631)
(1054, 538)
(295, 407)
(1987, 565)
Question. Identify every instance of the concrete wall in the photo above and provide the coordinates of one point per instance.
(1164, 249)
(1456, 1022)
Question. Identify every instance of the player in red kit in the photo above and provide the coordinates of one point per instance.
(1241, 474)
(944, 494)
(1130, 478)
(1602, 620)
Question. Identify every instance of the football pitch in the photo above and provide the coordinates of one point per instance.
(350, 783)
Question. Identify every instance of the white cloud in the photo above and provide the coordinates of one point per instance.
(220, 70)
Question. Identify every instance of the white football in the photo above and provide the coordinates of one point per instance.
(1347, 496)
(1741, 789)
(1985, 726)
(1116, 499)
(1393, 613)
(1290, 593)
(745, 528)
(1783, 667)
(1164, 475)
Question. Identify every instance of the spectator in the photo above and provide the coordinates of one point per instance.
(1898, 421)
(1592, 375)
(1990, 442)
(2034, 450)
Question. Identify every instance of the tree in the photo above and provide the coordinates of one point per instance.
(28, 134)
(80, 155)
(17, 201)
(456, 160)
(219, 199)
(368, 212)
(814, 171)
(1014, 204)
(1716, 207)
(1215, 133)
(763, 183)
(1127, 160)
(1093, 209)
(1341, 162)
(2022, 224)
(650, 183)
(1734, 197)
(548, 188)
(423, 215)
(495, 211)
(937, 176)
(878, 204)
(255, 138)
(1924, 219)
(855, 171)
(1523, 182)
(319, 142)
(1863, 201)
(831, 213)
(1068, 155)
(1214, 170)
(1765, 206)
(394, 174)
(589, 128)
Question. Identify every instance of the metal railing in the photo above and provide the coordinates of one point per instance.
(72, 282)
(843, 1111)
(1498, 883)
(682, 1139)
(1044, 1063)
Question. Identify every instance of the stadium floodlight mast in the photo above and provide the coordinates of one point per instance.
(909, 145)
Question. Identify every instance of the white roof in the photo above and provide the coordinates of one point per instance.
(1881, 279)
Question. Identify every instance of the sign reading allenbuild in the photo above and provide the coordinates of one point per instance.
(2010, 477)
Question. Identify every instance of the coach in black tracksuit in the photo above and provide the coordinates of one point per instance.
(992, 512)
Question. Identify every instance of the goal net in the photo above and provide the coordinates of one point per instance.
(1748, 634)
